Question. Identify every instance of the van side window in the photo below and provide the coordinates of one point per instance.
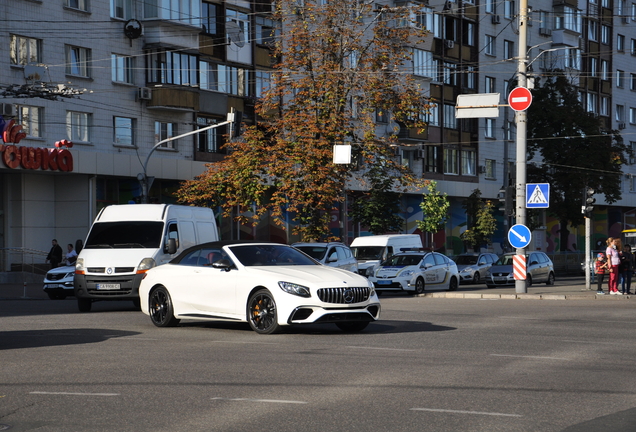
(389, 252)
(173, 233)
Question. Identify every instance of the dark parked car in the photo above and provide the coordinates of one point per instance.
(539, 268)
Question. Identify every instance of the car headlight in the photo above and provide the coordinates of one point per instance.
(467, 270)
(145, 265)
(369, 271)
(79, 266)
(406, 273)
(488, 273)
(295, 289)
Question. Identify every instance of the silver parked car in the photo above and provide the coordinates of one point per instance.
(539, 268)
(332, 254)
(473, 266)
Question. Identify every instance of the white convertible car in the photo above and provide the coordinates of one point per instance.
(268, 285)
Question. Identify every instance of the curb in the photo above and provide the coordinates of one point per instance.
(524, 296)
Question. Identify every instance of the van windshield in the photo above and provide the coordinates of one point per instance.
(122, 235)
(367, 252)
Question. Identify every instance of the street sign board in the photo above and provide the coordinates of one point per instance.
(520, 99)
(537, 195)
(481, 105)
(519, 236)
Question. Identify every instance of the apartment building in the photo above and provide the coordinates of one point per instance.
(121, 75)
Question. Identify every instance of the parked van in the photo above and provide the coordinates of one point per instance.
(127, 240)
(370, 251)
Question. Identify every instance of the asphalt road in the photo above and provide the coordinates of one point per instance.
(430, 364)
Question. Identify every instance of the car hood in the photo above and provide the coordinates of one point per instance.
(501, 269)
(319, 276)
(461, 267)
(62, 270)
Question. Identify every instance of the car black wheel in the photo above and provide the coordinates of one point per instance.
(476, 278)
(161, 309)
(452, 286)
(550, 280)
(262, 314)
(528, 280)
(352, 326)
(84, 305)
(419, 286)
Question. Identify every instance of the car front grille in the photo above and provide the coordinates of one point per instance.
(55, 276)
(344, 295)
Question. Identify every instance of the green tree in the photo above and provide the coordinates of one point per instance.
(337, 67)
(570, 148)
(481, 223)
(434, 207)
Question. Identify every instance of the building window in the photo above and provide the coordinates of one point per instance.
(210, 17)
(491, 169)
(509, 50)
(450, 121)
(490, 85)
(490, 128)
(381, 116)
(633, 47)
(423, 64)
(593, 66)
(78, 126)
(490, 6)
(449, 73)
(632, 81)
(567, 18)
(262, 82)
(122, 68)
(168, 67)
(77, 61)
(620, 43)
(572, 58)
(509, 130)
(592, 102)
(620, 113)
(25, 50)
(620, 76)
(122, 9)
(509, 9)
(592, 31)
(469, 162)
(451, 164)
(632, 158)
(606, 34)
(237, 27)
(164, 131)
(224, 79)
(431, 160)
(432, 116)
(211, 140)
(604, 110)
(489, 45)
(469, 34)
(77, 4)
(31, 120)
(469, 77)
(124, 131)
(632, 115)
(605, 73)
(265, 31)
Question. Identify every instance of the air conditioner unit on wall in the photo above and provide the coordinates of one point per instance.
(621, 125)
(481, 169)
(8, 110)
(496, 19)
(145, 93)
(625, 20)
(543, 31)
(449, 43)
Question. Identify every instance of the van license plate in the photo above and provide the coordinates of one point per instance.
(108, 286)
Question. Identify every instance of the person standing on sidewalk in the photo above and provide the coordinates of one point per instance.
(613, 260)
(600, 268)
(626, 269)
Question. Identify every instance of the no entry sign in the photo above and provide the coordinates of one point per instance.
(520, 99)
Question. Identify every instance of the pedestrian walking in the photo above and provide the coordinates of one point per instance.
(626, 269)
(55, 254)
(601, 267)
(614, 260)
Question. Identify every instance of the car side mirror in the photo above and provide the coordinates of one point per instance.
(428, 265)
(172, 246)
(482, 263)
(534, 263)
(222, 264)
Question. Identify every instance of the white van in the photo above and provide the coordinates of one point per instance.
(127, 240)
(370, 251)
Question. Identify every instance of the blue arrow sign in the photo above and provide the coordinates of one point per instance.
(519, 236)
(537, 195)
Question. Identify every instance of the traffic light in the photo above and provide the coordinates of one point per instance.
(588, 202)
(506, 198)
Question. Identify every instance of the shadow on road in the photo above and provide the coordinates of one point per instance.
(46, 338)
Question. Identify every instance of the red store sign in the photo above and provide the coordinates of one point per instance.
(34, 158)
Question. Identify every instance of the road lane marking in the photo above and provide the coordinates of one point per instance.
(466, 412)
(530, 357)
(74, 394)
(259, 400)
(380, 348)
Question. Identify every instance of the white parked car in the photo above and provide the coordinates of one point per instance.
(416, 272)
(333, 254)
(58, 282)
(473, 266)
(268, 285)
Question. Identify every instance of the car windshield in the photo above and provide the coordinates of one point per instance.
(270, 255)
(368, 252)
(466, 260)
(504, 260)
(403, 260)
(128, 234)
(316, 252)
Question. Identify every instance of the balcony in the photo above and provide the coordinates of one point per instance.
(174, 99)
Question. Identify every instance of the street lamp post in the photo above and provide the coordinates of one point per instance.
(143, 177)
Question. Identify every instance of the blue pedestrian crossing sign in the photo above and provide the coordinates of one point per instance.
(537, 195)
(519, 236)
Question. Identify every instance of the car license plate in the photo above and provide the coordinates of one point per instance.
(500, 279)
(384, 282)
(108, 286)
(54, 286)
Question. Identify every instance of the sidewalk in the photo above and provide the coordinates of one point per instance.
(566, 288)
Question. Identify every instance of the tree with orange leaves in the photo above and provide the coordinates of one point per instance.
(339, 66)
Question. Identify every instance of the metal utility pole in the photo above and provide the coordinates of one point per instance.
(521, 124)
